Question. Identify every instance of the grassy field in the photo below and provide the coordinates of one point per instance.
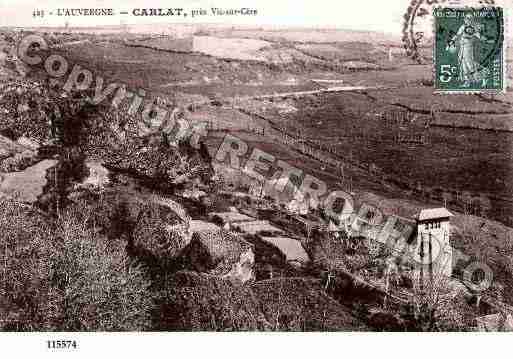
(310, 35)
(237, 49)
(484, 157)
(341, 120)
(166, 74)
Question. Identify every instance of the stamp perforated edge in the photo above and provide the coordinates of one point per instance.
(505, 29)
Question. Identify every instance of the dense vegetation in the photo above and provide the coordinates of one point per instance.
(63, 275)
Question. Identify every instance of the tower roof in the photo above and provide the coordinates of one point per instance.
(433, 213)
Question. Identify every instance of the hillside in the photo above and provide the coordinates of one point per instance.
(197, 237)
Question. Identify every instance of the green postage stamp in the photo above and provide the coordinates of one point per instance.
(469, 50)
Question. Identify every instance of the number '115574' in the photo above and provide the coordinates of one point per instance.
(61, 344)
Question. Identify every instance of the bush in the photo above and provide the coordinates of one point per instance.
(193, 301)
(301, 304)
(24, 289)
(64, 276)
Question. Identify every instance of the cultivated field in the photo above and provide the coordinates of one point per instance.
(462, 137)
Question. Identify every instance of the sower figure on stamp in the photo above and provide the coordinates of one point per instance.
(468, 38)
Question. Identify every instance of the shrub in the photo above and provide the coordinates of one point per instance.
(300, 304)
(437, 308)
(193, 301)
(101, 290)
(25, 270)
(64, 276)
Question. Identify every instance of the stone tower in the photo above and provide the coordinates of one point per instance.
(434, 252)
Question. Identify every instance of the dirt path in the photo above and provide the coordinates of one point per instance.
(284, 95)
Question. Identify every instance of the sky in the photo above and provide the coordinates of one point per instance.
(373, 15)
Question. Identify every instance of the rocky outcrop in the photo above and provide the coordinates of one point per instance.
(15, 156)
(98, 176)
(216, 251)
(28, 185)
(18, 162)
(29, 143)
(162, 230)
(9, 148)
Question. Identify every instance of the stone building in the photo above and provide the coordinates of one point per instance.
(433, 249)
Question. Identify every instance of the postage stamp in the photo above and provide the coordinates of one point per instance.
(469, 50)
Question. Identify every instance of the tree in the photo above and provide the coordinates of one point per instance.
(435, 305)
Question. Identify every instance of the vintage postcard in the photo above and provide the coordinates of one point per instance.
(274, 166)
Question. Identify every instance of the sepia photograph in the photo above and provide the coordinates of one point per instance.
(232, 166)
